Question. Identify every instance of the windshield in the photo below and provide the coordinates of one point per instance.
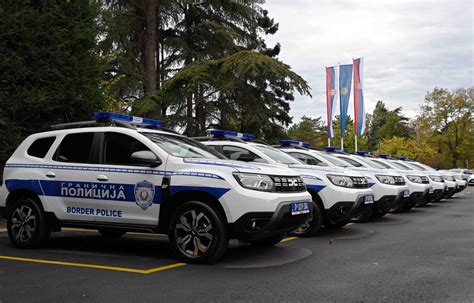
(381, 163)
(372, 164)
(416, 166)
(277, 155)
(182, 147)
(334, 160)
(401, 166)
(351, 161)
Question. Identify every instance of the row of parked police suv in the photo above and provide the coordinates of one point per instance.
(119, 173)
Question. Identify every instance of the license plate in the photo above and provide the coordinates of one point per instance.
(430, 190)
(406, 193)
(369, 199)
(299, 208)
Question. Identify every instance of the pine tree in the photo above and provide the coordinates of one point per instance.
(49, 70)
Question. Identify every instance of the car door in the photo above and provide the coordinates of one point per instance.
(132, 190)
(70, 179)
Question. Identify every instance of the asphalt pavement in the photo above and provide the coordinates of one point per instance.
(424, 255)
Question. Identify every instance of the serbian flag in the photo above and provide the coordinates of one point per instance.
(359, 108)
(331, 96)
(345, 79)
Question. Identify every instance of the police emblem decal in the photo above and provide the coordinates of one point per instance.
(144, 194)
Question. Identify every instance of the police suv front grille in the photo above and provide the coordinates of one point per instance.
(288, 184)
(425, 180)
(399, 180)
(360, 182)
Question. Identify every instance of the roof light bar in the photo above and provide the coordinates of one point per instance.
(363, 153)
(297, 143)
(109, 117)
(333, 149)
(385, 156)
(403, 158)
(228, 133)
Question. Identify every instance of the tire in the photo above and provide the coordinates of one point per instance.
(379, 213)
(366, 216)
(312, 225)
(26, 223)
(198, 233)
(111, 232)
(339, 224)
(268, 241)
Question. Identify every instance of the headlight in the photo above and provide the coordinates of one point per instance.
(386, 179)
(415, 179)
(436, 178)
(339, 180)
(254, 181)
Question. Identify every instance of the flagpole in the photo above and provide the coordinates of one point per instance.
(356, 149)
(342, 143)
(329, 141)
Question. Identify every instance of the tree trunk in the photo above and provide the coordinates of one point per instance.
(150, 46)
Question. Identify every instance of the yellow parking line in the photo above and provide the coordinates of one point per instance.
(350, 223)
(288, 239)
(157, 269)
(95, 266)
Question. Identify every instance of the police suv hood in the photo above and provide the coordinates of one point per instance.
(411, 172)
(245, 167)
(308, 169)
(386, 172)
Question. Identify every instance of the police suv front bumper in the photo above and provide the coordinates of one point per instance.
(345, 210)
(260, 225)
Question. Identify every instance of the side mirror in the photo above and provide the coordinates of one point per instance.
(145, 157)
(246, 157)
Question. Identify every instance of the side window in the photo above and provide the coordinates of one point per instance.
(75, 148)
(239, 154)
(308, 159)
(40, 147)
(118, 149)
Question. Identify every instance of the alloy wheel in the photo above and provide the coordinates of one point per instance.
(194, 233)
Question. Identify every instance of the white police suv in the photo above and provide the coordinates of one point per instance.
(338, 195)
(437, 180)
(418, 183)
(389, 187)
(116, 175)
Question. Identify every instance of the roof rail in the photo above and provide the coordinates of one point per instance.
(114, 119)
(291, 146)
(223, 138)
(73, 125)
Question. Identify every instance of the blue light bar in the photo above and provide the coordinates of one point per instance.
(403, 158)
(363, 153)
(228, 133)
(345, 149)
(333, 149)
(385, 156)
(110, 117)
(292, 143)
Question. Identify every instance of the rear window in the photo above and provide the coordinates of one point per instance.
(75, 148)
(40, 147)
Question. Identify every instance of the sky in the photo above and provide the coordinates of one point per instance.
(409, 47)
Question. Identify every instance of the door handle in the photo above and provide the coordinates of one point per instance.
(102, 178)
(50, 174)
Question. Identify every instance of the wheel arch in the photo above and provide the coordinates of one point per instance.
(317, 199)
(23, 193)
(169, 206)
